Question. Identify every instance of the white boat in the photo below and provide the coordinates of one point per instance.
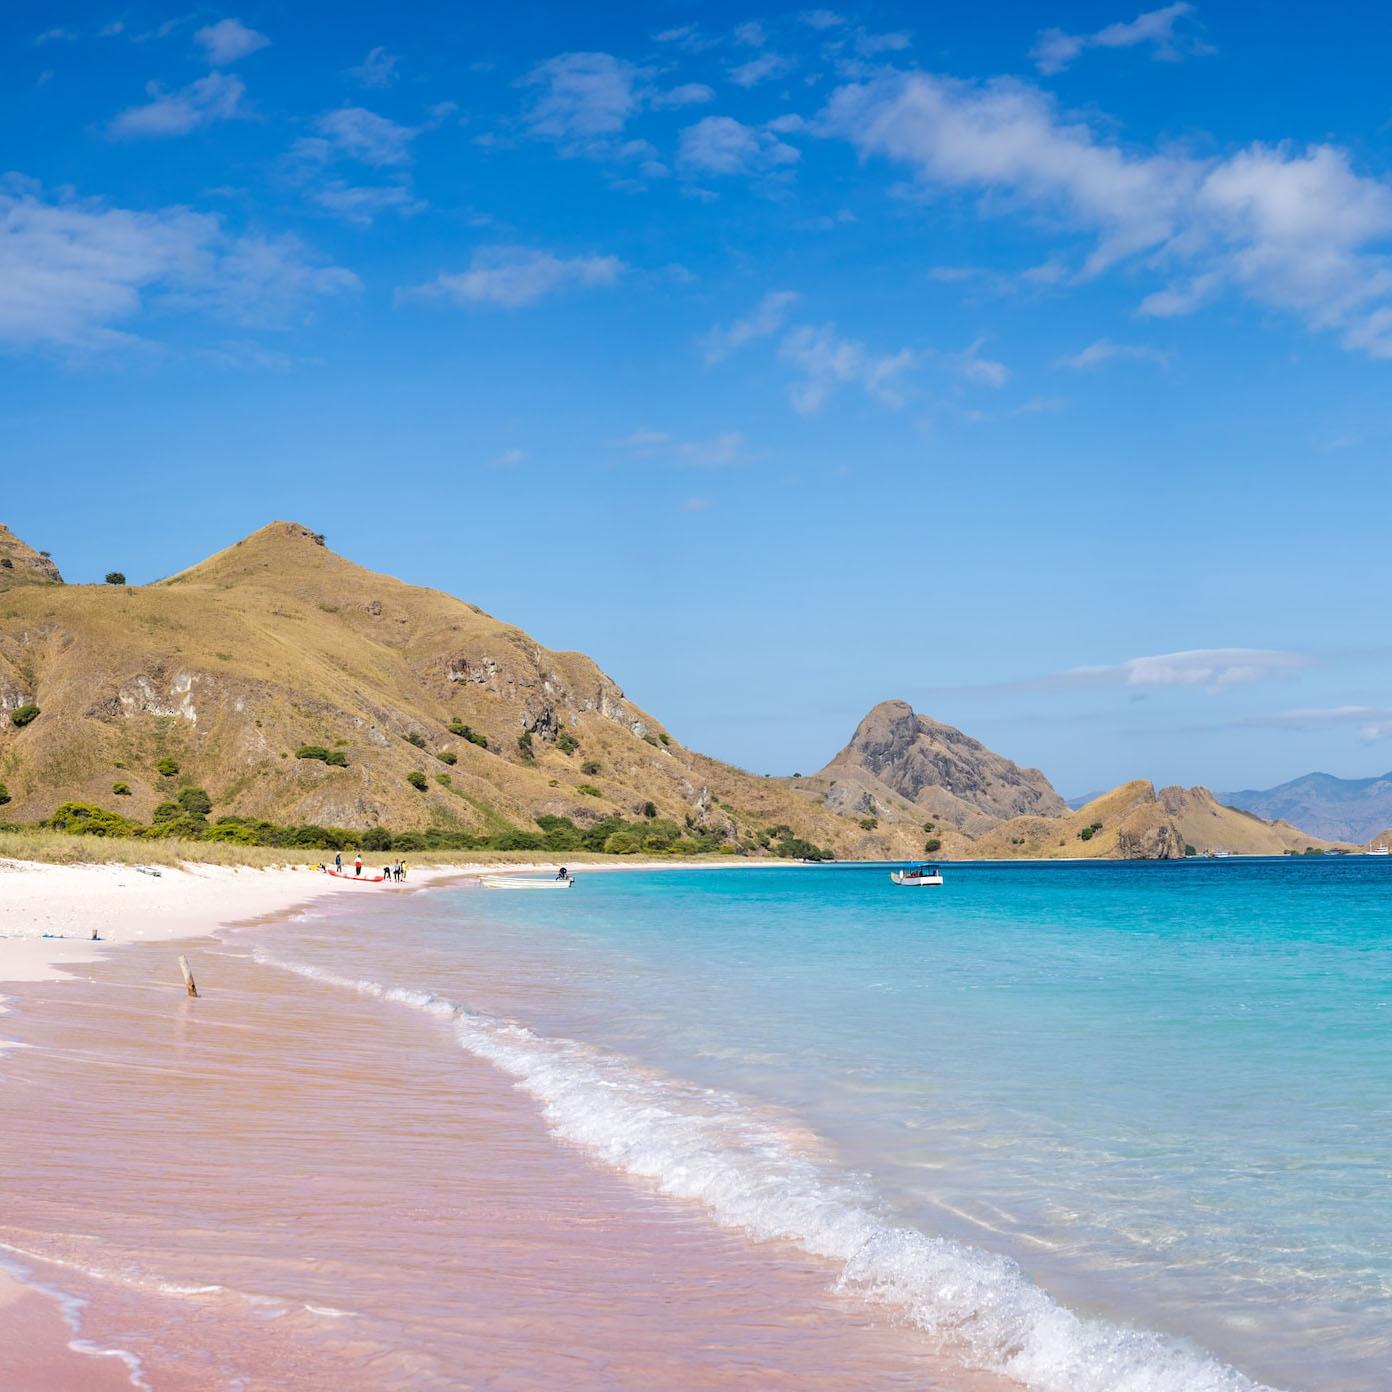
(1379, 849)
(917, 875)
(521, 882)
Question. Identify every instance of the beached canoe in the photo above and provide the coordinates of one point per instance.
(360, 879)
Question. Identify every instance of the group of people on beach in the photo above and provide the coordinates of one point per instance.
(395, 872)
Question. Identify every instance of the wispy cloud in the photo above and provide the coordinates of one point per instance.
(1055, 50)
(826, 361)
(821, 19)
(217, 97)
(764, 68)
(508, 459)
(1215, 669)
(1298, 230)
(229, 41)
(75, 274)
(720, 451)
(767, 318)
(511, 277)
(723, 146)
(581, 96)
(378, 69)
(1373, 723)
(1103, 350)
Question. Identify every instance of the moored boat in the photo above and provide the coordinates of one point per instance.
(519, 882)
(917, 875)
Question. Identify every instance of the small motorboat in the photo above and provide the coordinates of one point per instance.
(917, 875)
(521, 882)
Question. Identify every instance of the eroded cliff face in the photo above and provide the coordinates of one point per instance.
(938, 769)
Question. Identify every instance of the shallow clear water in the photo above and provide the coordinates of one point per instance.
(1162, 1091)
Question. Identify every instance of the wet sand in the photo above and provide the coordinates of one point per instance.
(280, 1185)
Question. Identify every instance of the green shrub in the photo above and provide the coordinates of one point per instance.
(7, 563)
(929, 826)
(376, 839)
(417, 780)
(665, 738)
(458, 727)
(590, 766)
(335, 757)
(869, 823)
(413, 738)
(622, 843)
(588, 790)
(650, 809)
(167, 768)
(4, 795)
(524, 745)
(650, 739)
(195, 801)
(22, 715)
(121, 789)
(444, 780)
(519, 841)
(166, 812)
(567, 743)
(115, 577)
(447, 756)
(1088, 832)
(86, 820)
(1190, 851)
(932, 845)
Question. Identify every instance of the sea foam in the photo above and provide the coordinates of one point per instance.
(706, 1145)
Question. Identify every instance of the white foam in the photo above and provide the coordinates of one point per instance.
(701, 1144)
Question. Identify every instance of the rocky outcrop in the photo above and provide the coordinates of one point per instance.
(896, 754)
(19, 561)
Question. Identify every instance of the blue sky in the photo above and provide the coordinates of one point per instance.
(784, 360)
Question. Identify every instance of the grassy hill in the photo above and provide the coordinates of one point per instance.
(216, 677)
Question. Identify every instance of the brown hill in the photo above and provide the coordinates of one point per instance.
(277, 643)
(911, 765)
(1134, 822)
(19, 562)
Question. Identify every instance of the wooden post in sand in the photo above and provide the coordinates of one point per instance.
(188, 976)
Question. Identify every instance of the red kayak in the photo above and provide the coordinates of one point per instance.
(347, 875)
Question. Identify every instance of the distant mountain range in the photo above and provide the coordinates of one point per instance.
(1340, 809)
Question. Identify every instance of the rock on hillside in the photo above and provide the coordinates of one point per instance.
(20, 562)
(897, 756)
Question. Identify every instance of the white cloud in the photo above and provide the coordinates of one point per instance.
(768, 317)
(821, 19)
(688, 94)
(583, 95)
(508, 459)
(872, 45)
(1055, 49)
(719, 452)
(74, 273)
(828, 361)
(984, 372)
(228, 41)
(361, 203)
(217, 97)
(1299, 231)
(751, 34)
(1213, 668)
(1374, 722)
(365, 136)
(1104, 350)
(512, 277)
(722, 145)
(378, 69)
(761, 69)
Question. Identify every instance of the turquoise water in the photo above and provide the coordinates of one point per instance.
(1098, 1126)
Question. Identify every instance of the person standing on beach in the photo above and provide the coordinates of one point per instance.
(338, 861)
(357, 864)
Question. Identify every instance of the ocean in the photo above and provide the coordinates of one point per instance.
(1105, 1127)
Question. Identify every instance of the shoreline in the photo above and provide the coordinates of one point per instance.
(48, 912)
(564, 1214)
